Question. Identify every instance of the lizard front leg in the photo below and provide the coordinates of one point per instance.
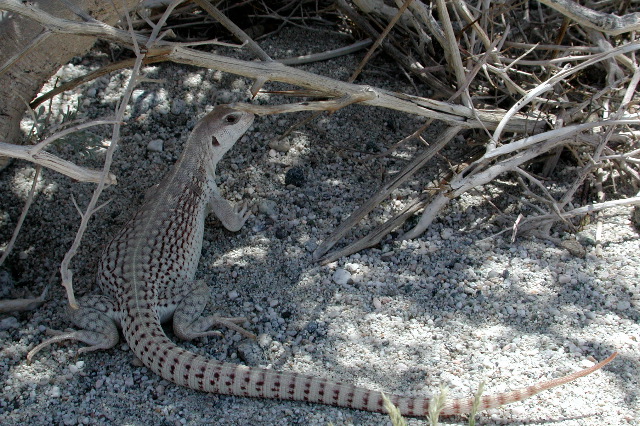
(188, 322)
(232, 218)
(97, 319)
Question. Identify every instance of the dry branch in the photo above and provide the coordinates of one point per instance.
(452, 114)
(606, 22)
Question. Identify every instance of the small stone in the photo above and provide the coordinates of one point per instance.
(493, 274)
(446, 233)
(233, 295)
(295, 176)
(280, 145)
(623, 305)
(377, 303)
(8, 323)
(155, 145)
(267, 207)
(352, 267)
(55, 392)
(341, 276)
(574, 247)
(564, 279)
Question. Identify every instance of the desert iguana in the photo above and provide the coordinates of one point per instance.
(146, 274)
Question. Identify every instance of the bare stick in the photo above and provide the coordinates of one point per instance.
(409, 170)
(548, 85)
(231, 26)
(379, 40)
(605, 22)
(65, 273)
(52, 162)
(71, 84)
(25, 209)
(452, 51)
(18, 305)
(329, 54)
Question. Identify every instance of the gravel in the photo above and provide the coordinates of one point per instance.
(457, 306)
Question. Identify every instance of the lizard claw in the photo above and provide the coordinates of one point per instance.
(243, 212)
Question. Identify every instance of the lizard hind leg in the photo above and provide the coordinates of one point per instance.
(96, 319)
(188, 322)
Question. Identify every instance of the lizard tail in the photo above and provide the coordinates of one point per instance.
(149, 342)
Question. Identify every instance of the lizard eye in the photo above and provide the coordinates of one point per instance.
(231, 118)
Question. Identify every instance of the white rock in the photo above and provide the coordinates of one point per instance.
(623, 305)
(446, 233)
(377, 303)
(341, 276)
(564, 279)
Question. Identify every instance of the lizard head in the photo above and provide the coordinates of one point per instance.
(220, 129)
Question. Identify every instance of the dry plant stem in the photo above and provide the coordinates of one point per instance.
(237, 31)
(36, 149)
(489, 46)
(65, 273)
(52, 162)
(420, 9)
(329, 54)
(605, 22)
(548, 85)
(71, 84)
(163, 19)
(597, 156)
(563, 132)
(407, 63)
(18, 305)
(25, 209)
(377, 234)
(449, 113)
(452, 51)
(379, 41)
(410, 169)
(538, 221)
(244, 37)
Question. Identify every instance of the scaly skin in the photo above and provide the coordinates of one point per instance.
(146, 275)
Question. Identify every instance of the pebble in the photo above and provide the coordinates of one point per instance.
(341, 276)
(268, 207)
(155, 145)
(564, 279)
(280, 145)
(9, 323)
(623, 305)
(55, 392)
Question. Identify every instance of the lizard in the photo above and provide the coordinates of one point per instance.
(147, 271)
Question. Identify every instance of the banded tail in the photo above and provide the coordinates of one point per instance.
(146, 337)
